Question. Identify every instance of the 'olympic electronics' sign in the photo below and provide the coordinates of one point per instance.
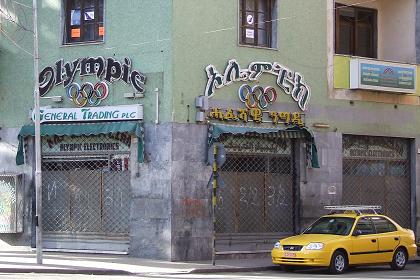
(105, 113)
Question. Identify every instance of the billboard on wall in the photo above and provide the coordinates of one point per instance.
(382, 76)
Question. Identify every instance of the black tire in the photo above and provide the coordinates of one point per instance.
(339, 263)
(399, 260)
(288, 268)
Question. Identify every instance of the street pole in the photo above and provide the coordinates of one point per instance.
(38, 175)
(214, 202)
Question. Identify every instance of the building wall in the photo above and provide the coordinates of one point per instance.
(203, 40)
(8, 148)
(306, 45)
(314, 188)
(172, 42)
(150, 233)
(139, 30)
(147, 45)
(191, 194)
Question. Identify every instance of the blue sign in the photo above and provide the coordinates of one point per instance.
(387, 76)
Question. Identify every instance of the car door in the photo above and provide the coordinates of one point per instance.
(388, 238)
(364, 242)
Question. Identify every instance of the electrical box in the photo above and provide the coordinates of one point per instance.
(11, 203)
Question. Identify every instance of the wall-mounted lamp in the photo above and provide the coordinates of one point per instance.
(56, 99)
(202, 103)
(321, 125)
(199, 116)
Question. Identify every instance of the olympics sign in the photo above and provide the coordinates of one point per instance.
(87, 94)
(257, 96)
(107, 70)
(290, 82)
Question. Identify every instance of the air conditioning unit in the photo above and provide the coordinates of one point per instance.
(11, 203)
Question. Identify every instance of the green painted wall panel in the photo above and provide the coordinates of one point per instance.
(212, 38)
(341, 72)
(137, 29)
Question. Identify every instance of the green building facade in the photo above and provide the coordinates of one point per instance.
(135, 97)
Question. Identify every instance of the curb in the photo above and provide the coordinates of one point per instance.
(124, 272)
(65, 271)
(252, 269)
(232, 269)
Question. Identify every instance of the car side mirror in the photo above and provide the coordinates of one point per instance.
(357, 232)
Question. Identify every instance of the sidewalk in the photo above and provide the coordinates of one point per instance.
(100, 264)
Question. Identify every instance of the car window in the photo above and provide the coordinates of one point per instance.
(365, 226)
(383, 225)
(331, 225)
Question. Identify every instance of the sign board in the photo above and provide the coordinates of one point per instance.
(257, 115)
(119, 142)
(382, 76)
(105, 113)
(291, 82)
(375, 152)
(250, 146)
(63, 73)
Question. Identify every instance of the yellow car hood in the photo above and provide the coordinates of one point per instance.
(305, 239)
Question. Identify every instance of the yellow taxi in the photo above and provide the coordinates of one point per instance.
(348, 236)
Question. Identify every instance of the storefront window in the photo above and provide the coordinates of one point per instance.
(258, 21)
(356, 31)
(83, 21)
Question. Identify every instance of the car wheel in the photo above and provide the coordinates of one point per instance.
(338, 263)
(399, 260)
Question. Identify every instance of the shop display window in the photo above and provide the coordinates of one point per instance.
(84, 21)
(355, 31)
(258, 22)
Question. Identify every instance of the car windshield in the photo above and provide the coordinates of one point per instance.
(331, 225)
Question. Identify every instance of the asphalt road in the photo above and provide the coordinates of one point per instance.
(412, 271)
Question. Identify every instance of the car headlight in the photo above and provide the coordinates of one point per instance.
(277, 245)
(314, 246)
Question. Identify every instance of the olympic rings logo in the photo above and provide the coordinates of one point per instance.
(257, 96)
(87, 94)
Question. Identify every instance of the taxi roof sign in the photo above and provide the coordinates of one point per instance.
(356, 208)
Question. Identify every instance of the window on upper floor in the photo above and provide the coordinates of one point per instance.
(258, 23)
(355, 31)
(83, 21)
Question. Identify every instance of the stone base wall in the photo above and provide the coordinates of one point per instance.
(191, 195)
(314, 190)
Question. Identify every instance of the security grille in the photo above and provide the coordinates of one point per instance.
(256, 203)
(376, 171)
(86, 185)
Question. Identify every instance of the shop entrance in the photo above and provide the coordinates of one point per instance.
(86, 192)
(376, 171)
(257, 203)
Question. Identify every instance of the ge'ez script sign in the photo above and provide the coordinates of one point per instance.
(106, 113)
(382, 76)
